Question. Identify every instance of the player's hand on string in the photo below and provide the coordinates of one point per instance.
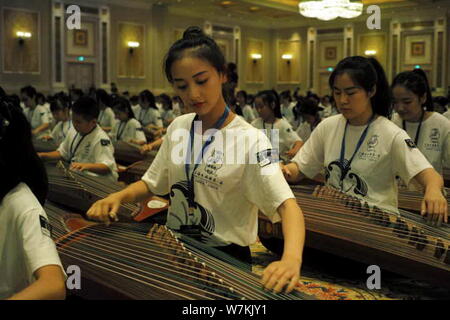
(146, 148)
(286, 172)
(284, 273)
(46, 138)
(434, 207)
(77, 166)
(290, 154)
(105, 210)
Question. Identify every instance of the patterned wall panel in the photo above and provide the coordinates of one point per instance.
(131, 60)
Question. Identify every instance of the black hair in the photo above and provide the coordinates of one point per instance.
(270, 97)
(123, 105)
(19, 161)
(200, 46)
(148, 95)
(59, 103)
(250, 99)
(442, 101)
(103, 97)
(2, 93)
(369, 74)
(87, 108)
(415, 81)
(30, 92)
(165, 99)
(39, 95)
(78, 92)
(134, 99)
(244, 93)
(286, 95)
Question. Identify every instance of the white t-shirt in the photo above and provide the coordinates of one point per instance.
(127, 131)
(383, 155)
(95, 147)
(447, 114)
(167, 115)
(25, 242)
(149, 116)
(304, 131)
(135, 109)
(434, 138)
(37, 117)
(286, 135)
(227, 193)
(288, 113)
(248, 114)
(60, 131)
(106, 118)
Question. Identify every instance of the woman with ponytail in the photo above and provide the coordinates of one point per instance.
(414, 114)
(214, 196)
(361, 149)
(29, 265)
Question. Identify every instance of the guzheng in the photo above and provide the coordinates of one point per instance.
(127, 153)
(148, 261)
(135, 171)
(79, 191)
(343, 225)
(44, 146)
(412, 200)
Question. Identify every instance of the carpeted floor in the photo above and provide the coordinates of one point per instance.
(333, 278)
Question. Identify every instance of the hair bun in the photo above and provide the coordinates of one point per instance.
(193, 32)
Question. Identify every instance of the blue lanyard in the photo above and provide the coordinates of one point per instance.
(210, 139)
(72, 152)
(346, 164)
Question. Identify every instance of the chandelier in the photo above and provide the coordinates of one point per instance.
(330, 9)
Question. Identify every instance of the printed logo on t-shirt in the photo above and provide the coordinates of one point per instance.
(267, 157)
(353, 183)
(46, 227)
(433, 144)
(371, 154)
(180, 215)
(105, 142)
(410, 143)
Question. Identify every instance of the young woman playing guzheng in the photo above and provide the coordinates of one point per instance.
(29, 265)
(414, 113)
(218, 199)
(361, 150)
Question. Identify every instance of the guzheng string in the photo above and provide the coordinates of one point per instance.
(161, 261)
(364, 225)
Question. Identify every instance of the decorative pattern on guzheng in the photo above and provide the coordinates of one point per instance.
(44, 146)
(148, 261)
(78, 191)
(343, 225)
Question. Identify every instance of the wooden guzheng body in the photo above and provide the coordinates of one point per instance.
(127, 153)
(342, 225)
(412, 200)
(44, 146)
(447, 177)
(148, 261)
(78, 191)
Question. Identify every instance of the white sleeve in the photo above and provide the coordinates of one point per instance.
(104, 153)
(302, 132)
(157, 119)
(263, 182)
(310, 159)
(113, 133)
(55, 130)
(157, 176)
(110, 117)
(446, 151)
(138, 131)
(407, 161)
(289, 135)
(39, 248)
(64, 147)
(44, 116)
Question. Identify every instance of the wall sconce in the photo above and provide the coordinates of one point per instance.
(256, 56)
(287, 57)
(21, 35)
(132, 45)
(370, 53)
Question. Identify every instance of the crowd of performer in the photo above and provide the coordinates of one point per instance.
(364, 139)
